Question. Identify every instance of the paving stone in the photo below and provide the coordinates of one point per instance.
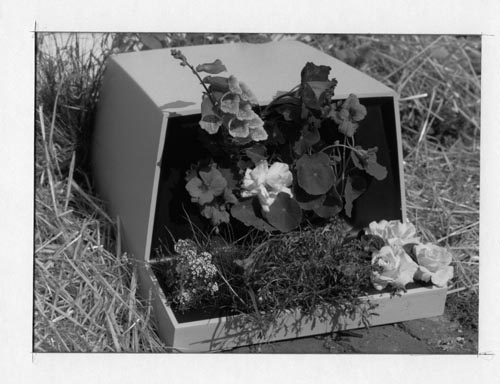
(443, 335)
(302, 345)
(436, 335)
(387, 339)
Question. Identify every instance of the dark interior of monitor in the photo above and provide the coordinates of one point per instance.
(382, 200)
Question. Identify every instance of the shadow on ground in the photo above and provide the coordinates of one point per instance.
(436, 335)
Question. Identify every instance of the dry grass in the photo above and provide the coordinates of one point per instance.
(441, 148)
(84, 297)
(84, 287)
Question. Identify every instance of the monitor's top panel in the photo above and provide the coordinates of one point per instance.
(265, 68)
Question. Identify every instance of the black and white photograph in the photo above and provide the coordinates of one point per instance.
(282, 193)
(249, 192)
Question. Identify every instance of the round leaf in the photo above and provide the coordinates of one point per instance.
(331, 205)
(313, 72)
(285, 213)
(306, 201)
(244, 211)
(355, 187)
(367, 161)
(256, 153)
(314, 173)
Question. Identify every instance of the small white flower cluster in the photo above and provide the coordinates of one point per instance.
(197, 273)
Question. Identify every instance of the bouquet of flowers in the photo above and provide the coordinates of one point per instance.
(273, 168)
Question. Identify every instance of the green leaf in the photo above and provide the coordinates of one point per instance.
(314, 82)
(309, 97)
(285, 213)
(300, 147)
(371, 243)
(322, 88)
(313, 72)
(310, 136)
(306, 201)
(331, 206)
(244, 211)
(212, 68)
(241, 140)
(356, 185)
(289, 112)
(367, 161)
(314, 173)
(256, 153)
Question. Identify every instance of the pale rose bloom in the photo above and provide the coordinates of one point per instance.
(394, 231)
(267, 182)
(392, 266)
(434, 264)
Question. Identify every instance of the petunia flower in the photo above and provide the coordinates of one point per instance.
(391, 265)
(348, 115)
(433, 264)
(203, 189)
(267, 182)
(216, 213)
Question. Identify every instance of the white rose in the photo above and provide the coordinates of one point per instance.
(393, 231)
(392, 266)
(434, 264)
(267, 182)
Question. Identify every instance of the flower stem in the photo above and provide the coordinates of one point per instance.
(343, 162)
(340, 146)
(212, 99)
(178, 55)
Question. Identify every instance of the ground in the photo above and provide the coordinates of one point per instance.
(435, 335)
